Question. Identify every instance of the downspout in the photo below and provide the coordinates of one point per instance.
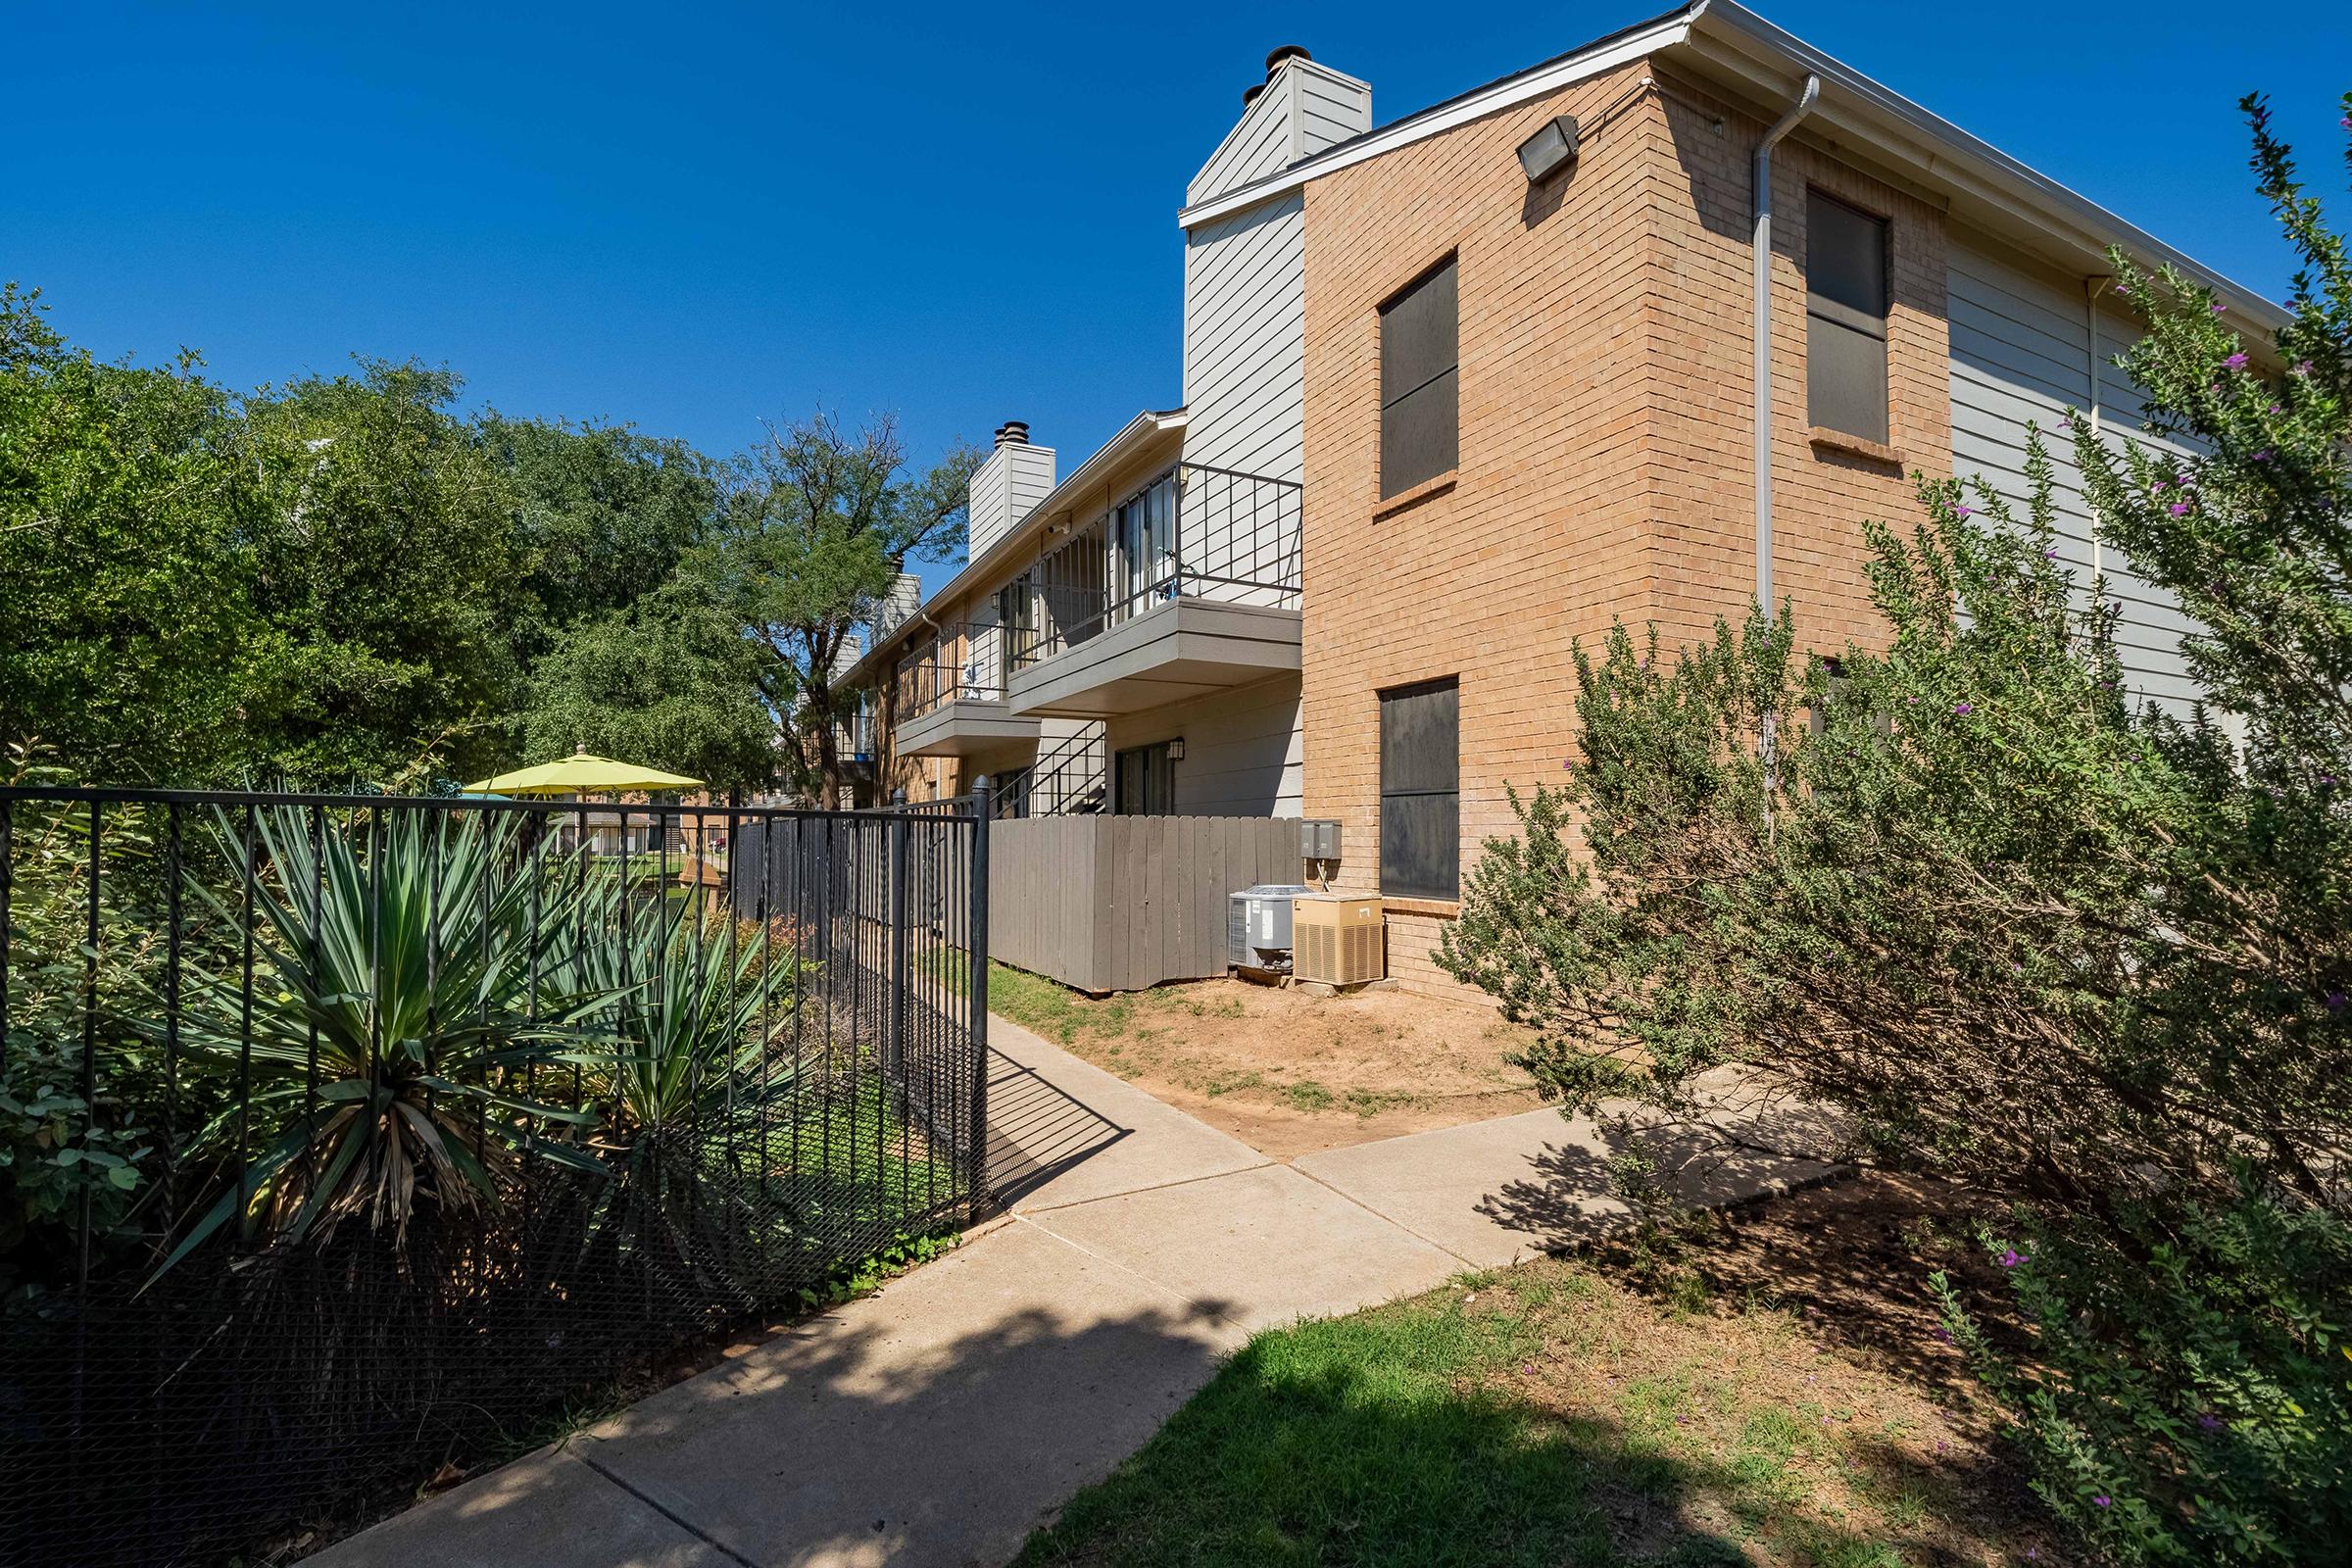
(1760, 332)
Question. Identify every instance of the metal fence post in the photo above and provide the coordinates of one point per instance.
(896, 847)
(975, 958)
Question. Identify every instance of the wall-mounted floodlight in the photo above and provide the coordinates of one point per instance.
(1550, 150)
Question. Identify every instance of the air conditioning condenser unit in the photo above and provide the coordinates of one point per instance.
(1340, 942)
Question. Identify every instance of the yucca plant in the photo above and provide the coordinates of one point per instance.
(404, 988)
(682, 1072)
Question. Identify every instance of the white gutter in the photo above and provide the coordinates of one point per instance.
(1760, 334)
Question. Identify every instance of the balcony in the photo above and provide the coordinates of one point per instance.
(1188, 588)
(950, 707)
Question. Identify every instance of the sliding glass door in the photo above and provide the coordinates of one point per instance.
(1145, 529)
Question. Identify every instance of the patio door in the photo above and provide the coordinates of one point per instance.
(1145, 529)
(1144, 782)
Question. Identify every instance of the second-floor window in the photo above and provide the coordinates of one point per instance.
(1846, 318)
(1017, 614)
(1420, 393)
(1145, 529)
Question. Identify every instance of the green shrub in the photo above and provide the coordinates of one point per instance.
(2190, 1398)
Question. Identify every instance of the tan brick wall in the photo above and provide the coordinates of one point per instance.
(1605, 419)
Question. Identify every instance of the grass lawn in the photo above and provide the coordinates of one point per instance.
(1549, 1415)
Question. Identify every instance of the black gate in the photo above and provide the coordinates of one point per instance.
(342, 1137)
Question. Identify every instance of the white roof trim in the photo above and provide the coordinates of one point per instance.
(1729, 39)
(1082, 478)
(1736, 40)
(1605, 56)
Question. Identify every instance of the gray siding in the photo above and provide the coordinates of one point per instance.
(2022, 354)
(1305, 109)
(1245, 340)
(1013, 479)
(1244, 751)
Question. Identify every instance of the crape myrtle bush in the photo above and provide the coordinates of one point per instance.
(2026, 932)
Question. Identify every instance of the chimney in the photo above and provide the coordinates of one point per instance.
(1015, 478)
(1299, 109)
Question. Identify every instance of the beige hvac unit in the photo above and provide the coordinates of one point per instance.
(1338, 941)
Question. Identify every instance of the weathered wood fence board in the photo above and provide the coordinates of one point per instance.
(1121, 902)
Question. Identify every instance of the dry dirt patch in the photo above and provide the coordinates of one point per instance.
(1286, 1072)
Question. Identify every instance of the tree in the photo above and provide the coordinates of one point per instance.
(389, 569)
(815, 526)
(601, 515)
(667, 681)
(2085, 956)
(129, 640)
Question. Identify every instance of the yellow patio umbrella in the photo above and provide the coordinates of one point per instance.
(582, 773)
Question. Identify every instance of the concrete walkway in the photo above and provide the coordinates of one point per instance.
(940, 1420)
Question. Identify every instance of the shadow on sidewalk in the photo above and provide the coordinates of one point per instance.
(1036, 1131)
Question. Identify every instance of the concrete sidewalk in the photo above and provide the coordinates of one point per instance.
(940, 1420)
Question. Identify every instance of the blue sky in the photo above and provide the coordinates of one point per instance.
(691, 217)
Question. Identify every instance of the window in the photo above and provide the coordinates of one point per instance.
(1420, 791)
(1145, 530)
(1016, 613)
(1846, 317)
(1143, 781)
(1420, 396)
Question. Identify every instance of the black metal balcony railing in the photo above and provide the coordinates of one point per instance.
(967, 665)
(1228, 536)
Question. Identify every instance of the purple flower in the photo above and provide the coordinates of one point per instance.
(2178, 509)
(2153, 488)
(2121, 288)
(2302, 366)
(2277, 409)
(2210, 1422)
(1963, 707)
(2219, 307)
(2102, 1499)
(2336, 1003)
(1943, 1336)
(2050, 555)
(2264, 456)
(2237, 361)
(2011, 1258)
(1960, 511)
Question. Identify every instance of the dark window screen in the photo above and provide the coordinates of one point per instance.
(1420, 791)
(1846, 317)
(1420, 401)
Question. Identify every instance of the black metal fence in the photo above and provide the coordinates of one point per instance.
(340, 1137)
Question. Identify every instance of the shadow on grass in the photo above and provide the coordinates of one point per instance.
(1372, 1440)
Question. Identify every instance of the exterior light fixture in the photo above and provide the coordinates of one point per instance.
(1176, 750)
(1550, 150)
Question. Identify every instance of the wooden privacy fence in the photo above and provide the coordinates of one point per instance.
(1121, 902)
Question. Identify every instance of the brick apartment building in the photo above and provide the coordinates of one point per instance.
(1469, 386)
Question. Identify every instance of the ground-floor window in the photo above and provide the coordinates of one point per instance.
(1143, 781)
(1420, 791)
